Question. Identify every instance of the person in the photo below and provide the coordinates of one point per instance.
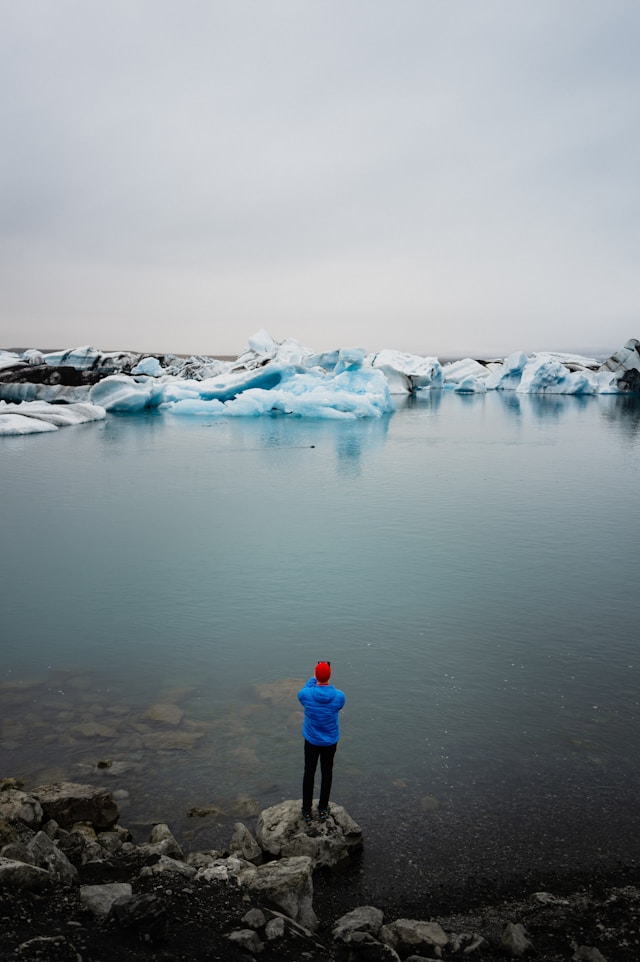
(321, 731)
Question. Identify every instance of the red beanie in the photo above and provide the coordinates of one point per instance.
(323, 671)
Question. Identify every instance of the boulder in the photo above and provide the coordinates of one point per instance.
(100, 899)
(362, 947)
(287, 885)
(68, 802)
(364, 918)
(587, 953)
(18, 806)
(244, 845)
(169, 865)
(8, 835)
(282, 832)
(514, 940)
(410, 935)
(223, 869)
(162, 842)
(247, 940)
(20, 875)
(144, 916)
(48, 856)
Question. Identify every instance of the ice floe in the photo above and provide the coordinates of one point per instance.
(284, 377)
(37, 417)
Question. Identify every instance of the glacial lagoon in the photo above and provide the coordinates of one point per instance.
(469, 564)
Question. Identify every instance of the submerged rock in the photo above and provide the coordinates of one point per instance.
(68, 802)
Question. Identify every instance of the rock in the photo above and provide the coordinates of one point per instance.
(48, 948)
(282, 832)
(255, 919)
(202, 811)
(20, 875)
(112, 842)
(68, 802)
(165, 713)
(48, 856)
(144, 916)
(362, 946)
(171, 865)
(223, 869)
(514, 940)
(275, 929)
(100, 899)
(161, 840)
(286, 884)
(18, 852)
(410, 935)
(202, 859)
(8, 835)
(364, 918)
(247, 940)
(585, 953)
(19, 806)
(244, 844)
(6, 783)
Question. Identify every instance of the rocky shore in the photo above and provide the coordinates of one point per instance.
(75, 887)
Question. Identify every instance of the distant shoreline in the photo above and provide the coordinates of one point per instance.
(600, 355)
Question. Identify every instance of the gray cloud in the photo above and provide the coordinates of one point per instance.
(445, 178)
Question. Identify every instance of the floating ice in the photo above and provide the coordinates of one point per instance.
(88, 358)
(36, 417)
(119, 392)
(408, 372)
(543, 374)
(355, 392)
(150, 366)
(10, 359)
(284, 377)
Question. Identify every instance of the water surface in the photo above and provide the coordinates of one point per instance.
(469, 565)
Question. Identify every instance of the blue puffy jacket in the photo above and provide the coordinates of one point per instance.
(321, 705)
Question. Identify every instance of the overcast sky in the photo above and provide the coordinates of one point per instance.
(448, 178)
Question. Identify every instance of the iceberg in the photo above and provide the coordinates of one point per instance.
(89, 359)
(280, 378)
(544, 374)
(9, 359)
(407, 373)
(37, 417)
(119, 392)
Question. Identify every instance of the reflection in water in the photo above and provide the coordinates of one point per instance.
(625, 410)
(546, 406)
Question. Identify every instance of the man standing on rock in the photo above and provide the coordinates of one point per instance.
(321, 703)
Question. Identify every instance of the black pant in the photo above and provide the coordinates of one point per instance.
(311, 755)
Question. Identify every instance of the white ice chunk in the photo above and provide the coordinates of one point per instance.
(262, 347)
(263, 343)
(15, 418)
(9, 359)
(506, 376)
(543, 374)
(457, 371)
(33, 357)
(150, 366)
(52, 393)
(13, 424)
(471, 385)
(119, 392)
(408, 372)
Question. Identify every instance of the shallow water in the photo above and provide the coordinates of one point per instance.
(469, 565)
